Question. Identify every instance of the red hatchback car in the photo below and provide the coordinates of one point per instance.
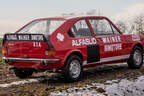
(68, 45)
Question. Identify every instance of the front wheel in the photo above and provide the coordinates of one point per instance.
(73, 70)
(136, 58)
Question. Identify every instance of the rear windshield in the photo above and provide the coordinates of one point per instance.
(42, 27)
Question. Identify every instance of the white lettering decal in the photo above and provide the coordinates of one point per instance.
(87, 41)
(104, 40)
(37, 37)
(113, 39)
(36, 44)
(73, 43)
(11, 37)
(23, 37)
(119, 39)
(83, 42)
(113, 47)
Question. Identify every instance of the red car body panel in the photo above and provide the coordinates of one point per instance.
(111, 48)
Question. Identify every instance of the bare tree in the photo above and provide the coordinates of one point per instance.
(122, 26)
(68, 14)
(94, 12)
(91, 12)
(134, 26)
(139, 24)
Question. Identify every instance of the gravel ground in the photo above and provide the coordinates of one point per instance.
(123, 87)
(95, 82)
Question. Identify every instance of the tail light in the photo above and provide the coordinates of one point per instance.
(49, 52)
(4, 51)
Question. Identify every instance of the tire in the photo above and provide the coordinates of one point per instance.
(23, 73)
(73, 69)
(135, 60)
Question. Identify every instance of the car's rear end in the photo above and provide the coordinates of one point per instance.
(30, 47)
(27, 50)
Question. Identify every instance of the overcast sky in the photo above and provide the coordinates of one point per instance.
(15, 13)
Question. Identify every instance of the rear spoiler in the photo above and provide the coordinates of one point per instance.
(26, 37)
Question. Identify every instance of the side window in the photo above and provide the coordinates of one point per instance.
(115, 31)
(101, 27)
(38, 27)
(81, 29)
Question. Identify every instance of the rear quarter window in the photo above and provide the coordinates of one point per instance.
(42, 27)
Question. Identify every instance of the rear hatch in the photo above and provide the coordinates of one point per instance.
(25, 45)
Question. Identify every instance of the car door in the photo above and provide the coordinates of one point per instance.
(123, 43)
(108, 39)
(85, 41)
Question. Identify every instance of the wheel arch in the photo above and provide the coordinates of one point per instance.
(74, 52)
(138, 45)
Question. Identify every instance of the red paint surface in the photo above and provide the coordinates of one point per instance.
(63, 49)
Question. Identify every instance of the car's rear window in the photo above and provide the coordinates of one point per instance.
(42, 27)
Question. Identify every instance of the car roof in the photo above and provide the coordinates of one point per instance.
(71, 17)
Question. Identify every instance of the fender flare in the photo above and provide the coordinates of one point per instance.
(69, 53)
(137, 43)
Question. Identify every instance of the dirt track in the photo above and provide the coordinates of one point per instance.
(54, 82)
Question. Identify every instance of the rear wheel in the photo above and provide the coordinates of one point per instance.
(73, 70)
(23, 73)
(136, 58)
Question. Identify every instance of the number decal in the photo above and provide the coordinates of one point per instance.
(36, 44)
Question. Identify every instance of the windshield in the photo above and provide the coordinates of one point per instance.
(42, 27)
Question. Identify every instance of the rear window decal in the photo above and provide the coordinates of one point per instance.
(25, 37)
(11, 37)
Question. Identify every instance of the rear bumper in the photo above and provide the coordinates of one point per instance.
(7, 59)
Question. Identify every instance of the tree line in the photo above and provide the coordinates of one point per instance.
(134, 26)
